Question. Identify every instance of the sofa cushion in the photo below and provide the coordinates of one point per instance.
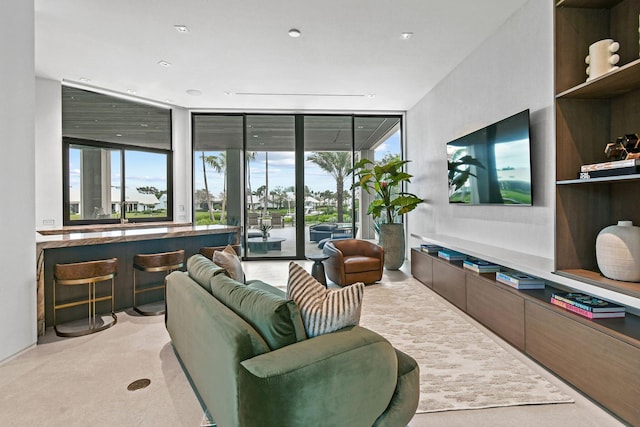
(228, 259)
(276, 318)
(259, 284)
(323, 310)
(201, 269)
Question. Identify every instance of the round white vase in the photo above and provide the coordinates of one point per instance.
(618, 251)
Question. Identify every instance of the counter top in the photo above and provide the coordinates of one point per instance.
(127, 234)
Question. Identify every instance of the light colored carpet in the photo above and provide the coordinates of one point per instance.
(461, 367)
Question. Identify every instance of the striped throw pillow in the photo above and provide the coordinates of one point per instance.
(323, 310)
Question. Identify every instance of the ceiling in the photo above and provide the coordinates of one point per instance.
(351, 55)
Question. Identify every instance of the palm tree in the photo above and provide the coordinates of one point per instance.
(338, 164)
(206, 186)
(250, 155)
(219, 164)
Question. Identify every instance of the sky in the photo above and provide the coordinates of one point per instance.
(282, 170)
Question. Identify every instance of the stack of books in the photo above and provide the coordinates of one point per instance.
(618, 167)
(480, 266)
(587, 306)
(451, 255)
(518, 280)
(430, 249)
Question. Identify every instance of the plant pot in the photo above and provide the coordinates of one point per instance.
(392, 240)
(618, 252)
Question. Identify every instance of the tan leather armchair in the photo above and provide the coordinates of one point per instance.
(353, 260)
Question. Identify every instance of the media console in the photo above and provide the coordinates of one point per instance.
(599, 357)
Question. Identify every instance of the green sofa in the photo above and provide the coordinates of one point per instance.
(351, 377)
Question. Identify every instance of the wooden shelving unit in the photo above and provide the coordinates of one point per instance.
(588, 116)
(568, 344)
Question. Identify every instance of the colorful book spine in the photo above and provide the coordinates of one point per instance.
(610, 165)
(584, 313)
(524, 286)
(481, 267)
(451, 255)
(430, 249)
(518, 279)
(609, 309)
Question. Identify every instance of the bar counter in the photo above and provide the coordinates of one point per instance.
(76, 244)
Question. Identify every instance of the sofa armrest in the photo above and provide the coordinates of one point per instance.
(347, 377)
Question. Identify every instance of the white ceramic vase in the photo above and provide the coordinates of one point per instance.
(618, 251)
(602, 58)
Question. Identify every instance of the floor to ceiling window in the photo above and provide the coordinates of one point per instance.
(293, 171)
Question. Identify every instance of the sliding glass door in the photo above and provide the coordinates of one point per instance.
(270, 186)
(285, 177)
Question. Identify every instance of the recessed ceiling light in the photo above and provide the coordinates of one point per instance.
(194, 92)
(371, 95)
(407, 35)
(84, 80)
(294, 33)
(164, 63)
(226, 92)
(131, 91)
(168, 100)
(181, 28)
(118, 134)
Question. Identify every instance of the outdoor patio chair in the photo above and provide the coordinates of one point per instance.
(276, 220)
(252, 219)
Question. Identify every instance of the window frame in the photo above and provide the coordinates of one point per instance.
(67, 142)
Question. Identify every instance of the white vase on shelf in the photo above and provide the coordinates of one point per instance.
(602, 58)
(618, 251)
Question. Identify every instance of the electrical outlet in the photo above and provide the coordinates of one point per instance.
(181, 208)
(48, 222)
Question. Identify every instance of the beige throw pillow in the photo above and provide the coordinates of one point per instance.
(323, 310)
(228, 259)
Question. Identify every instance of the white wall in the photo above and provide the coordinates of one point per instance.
(182, 162)
(510, 72)
(48, 142)
(17, 179)
(48, 137)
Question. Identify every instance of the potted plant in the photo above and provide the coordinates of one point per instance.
(391, 202)
(264, 229)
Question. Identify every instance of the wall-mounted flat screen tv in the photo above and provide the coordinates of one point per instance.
(492, 165)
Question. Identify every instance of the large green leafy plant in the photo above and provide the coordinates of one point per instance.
(385, 181)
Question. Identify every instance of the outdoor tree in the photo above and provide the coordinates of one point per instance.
(206, 185)
(150, 190)
(249, 157)
(219, 164)
(338, 164)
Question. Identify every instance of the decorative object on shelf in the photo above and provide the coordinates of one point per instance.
(631, 145)
(602, 58)
(264, 229)
(618, 251)
(615, 151)
(385, 181)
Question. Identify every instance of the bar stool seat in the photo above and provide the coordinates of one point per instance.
(85, 273)
(152, 263)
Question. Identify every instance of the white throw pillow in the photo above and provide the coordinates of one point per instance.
(228, 259)
(323, 310)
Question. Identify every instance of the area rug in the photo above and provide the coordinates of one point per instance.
(461, 366)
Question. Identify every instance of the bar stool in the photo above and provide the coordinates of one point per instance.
(153, 263)
(85, 273)
(207, 251)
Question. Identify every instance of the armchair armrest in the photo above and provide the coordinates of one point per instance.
(326, 380)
